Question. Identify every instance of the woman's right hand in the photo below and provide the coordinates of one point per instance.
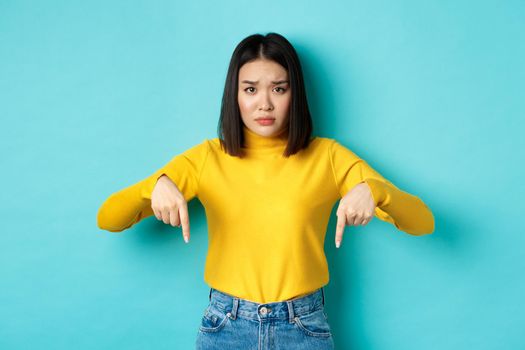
(169, 205)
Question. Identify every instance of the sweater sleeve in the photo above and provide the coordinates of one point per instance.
(130, 205)
(405, 211)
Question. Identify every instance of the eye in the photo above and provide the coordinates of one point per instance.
(251, 87)
(283, 90)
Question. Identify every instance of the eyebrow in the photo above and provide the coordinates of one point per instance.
(273, 82)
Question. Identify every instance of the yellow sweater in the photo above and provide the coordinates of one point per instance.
(267, 215)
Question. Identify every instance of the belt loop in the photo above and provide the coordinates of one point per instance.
(234, 308)
(290, 311)
(322, 293)
(210, 293)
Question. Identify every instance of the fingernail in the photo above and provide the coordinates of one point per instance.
(186, 239)
(337, 244)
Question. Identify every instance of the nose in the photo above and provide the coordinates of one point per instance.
(266, 102)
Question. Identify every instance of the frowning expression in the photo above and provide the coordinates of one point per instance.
(264, 92)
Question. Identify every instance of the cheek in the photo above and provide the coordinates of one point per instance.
(245, 104)
(285, 104)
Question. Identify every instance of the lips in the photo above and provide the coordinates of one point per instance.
(265, 121)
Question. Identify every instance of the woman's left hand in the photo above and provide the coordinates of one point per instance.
(355, 208)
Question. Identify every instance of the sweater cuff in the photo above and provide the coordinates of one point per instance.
(149, 185)
(379, 191)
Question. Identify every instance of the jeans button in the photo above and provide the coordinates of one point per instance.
(263, 310)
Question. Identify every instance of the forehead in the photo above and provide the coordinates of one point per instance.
(262, 70)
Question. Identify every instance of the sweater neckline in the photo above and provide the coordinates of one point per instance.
(254, 141)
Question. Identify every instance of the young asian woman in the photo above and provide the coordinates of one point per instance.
(268, 186)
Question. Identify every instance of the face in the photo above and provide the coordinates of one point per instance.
(264, 92)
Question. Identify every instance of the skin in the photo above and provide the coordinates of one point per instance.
(264, 90)
(355, 208)
(168, 205)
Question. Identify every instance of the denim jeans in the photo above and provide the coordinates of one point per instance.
(231, 323)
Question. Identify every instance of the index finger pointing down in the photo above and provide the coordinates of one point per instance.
(339, 229)
(185, 221)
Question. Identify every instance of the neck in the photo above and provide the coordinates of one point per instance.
(253, 140)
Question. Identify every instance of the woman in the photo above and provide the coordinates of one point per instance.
(268, 188)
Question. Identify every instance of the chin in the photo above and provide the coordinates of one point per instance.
(267, 130)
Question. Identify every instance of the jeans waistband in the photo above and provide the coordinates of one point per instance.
(288, 309)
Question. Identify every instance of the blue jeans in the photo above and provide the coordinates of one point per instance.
(231, 323)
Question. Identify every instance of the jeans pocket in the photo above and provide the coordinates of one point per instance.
(213, 319)
(314, 324)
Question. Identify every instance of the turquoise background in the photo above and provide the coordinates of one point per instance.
(95, 96)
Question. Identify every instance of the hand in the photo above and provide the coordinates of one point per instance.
(169, 205)
(355, 208)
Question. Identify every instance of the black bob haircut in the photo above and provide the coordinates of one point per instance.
(276, 48)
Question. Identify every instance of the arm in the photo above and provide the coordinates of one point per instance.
(130, 205)
(405, 211)
(126, 207)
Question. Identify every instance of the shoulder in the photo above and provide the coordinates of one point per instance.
(198, 150)
(214, 141)
(214, 145)
(326, 144)
(337, 150)
(323, 141)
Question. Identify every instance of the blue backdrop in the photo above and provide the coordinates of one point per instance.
(95, 96)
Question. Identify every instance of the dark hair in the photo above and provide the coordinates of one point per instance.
(277, 48)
